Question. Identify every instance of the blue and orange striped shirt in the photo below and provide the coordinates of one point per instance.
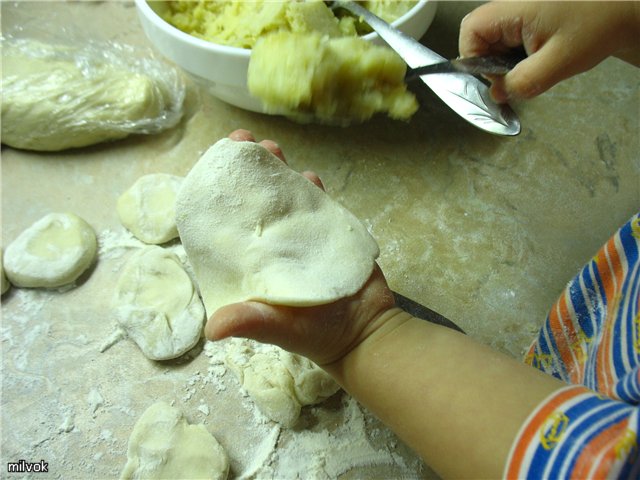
(591, 340)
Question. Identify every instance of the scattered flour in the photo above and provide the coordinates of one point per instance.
(204, 409)
(72, 425)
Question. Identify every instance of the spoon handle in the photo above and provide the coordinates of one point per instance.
(489, 65)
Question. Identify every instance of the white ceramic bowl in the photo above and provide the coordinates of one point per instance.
(222, 69)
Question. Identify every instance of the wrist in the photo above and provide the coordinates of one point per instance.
(384, 325)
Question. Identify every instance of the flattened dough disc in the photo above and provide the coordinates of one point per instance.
(157, 304)
(254, 229)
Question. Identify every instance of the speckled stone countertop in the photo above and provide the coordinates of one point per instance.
(484, 230)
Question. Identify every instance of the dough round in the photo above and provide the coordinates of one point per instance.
(254, 229)
(147, 208)
(163, 445)
(4, 281)
(52, 252)
(280, 383)
(157, 304)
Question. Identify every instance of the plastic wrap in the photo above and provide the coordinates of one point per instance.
(59, 96)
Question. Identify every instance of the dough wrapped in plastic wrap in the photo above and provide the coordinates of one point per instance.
(60, 96)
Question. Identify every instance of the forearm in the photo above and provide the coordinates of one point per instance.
(447, 396)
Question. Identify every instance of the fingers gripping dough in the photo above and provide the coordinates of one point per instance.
(157, 304)
(52, 252)
(147, 208)
(164, 445)
(254, 229)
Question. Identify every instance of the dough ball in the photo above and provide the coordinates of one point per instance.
(157, 304)
(52, 252)
(254, 229)
(4, 281)
(280, 383)
(270, 386)
(164, 445)
(147, 208)
(311, 384)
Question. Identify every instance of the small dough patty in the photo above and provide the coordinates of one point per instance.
(164, 445)
(52, 252)
(4, 281)
(157, 304)
(147, 208)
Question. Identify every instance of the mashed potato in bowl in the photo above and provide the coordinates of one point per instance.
(240, 23)
(215, 40)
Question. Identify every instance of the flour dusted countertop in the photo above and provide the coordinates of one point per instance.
(485, 230)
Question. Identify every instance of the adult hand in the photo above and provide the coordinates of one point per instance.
(562, 39)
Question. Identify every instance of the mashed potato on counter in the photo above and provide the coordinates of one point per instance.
(239, 23)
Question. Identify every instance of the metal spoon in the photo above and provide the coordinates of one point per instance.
(467, 95)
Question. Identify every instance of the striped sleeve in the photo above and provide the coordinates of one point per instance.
(591, 340)
(577, 433)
